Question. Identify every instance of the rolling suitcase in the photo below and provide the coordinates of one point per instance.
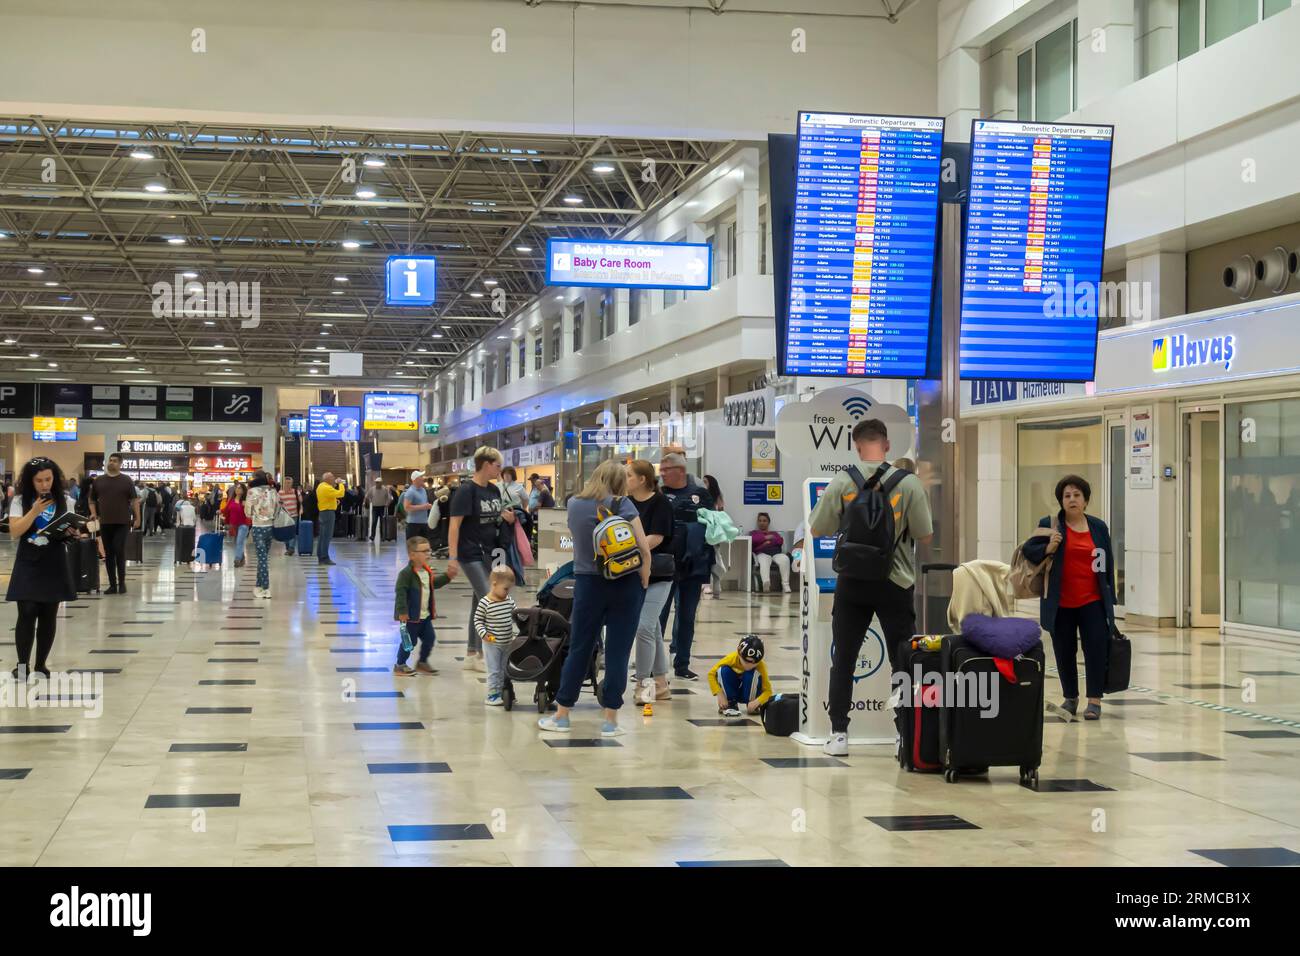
(209, 548)
(184, 537)
(135, 546)
(917, 713)
(305, 538)
(388, 528)
(1004, 726)
(83, 563)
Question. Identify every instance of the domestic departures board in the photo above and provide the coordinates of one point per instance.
(863, 245)
(1035, 236)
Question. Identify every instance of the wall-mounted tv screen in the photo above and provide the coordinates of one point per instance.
(334, 423)
(1035, 236)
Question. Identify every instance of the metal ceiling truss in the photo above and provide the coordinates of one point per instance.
(273, 206)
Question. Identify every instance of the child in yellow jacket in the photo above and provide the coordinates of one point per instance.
(740, 679)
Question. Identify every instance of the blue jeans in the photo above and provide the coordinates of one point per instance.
(616, 606)
(476, 573)
(685, 600)
(241, 541)
(739, 688)
(262, 544)
(326, 535)
(421, 631)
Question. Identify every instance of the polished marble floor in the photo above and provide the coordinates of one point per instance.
(253, 732)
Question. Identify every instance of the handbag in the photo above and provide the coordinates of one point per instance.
(284, 526)
(1119, 663)
(1029, 580)
(522, 545)
(662, 565)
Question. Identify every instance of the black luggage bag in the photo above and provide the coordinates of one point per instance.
(83, 564)
(1008, 732)
(135, 546)
(388, 528)
(184, 538)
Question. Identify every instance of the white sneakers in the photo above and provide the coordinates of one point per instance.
(645, 691)
(837, 746)
(262, 593)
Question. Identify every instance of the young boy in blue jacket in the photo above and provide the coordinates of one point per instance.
(414, 606)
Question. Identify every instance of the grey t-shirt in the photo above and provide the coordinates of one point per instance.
(582, 525)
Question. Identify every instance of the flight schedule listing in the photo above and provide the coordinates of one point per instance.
(865, 222)
(1035, 236)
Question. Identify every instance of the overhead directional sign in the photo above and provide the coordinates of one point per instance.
(409, 280)
(385, 411)
(631, 265)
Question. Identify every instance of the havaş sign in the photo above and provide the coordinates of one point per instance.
(1169, 352)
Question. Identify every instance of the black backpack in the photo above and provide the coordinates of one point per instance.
(864, 548)
(781, 714)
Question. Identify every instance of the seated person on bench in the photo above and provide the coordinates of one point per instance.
(766, 546)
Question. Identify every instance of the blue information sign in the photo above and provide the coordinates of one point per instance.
(759, 492)
(863, 246)
(1035, 235)
(409, 280)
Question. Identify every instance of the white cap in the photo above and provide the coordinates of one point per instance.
(416, 474)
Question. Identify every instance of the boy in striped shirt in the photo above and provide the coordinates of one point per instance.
(494, 620)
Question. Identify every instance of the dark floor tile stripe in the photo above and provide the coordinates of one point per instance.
(207, 748)
(439, 832)
(198, 711)
(171, 801)
(389, 768)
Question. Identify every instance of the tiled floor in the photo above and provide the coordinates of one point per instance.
(295, 751)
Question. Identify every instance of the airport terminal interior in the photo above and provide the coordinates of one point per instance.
(302, 307)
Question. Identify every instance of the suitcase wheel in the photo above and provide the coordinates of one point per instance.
(950, 776)
(1029, 778)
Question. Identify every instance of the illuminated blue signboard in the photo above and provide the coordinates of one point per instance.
(1035, 235)
(409, 280)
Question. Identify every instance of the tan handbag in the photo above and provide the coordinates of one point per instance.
(1029, 580)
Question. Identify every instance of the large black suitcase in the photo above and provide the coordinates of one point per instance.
(917, 712)
(83, 564)
(1003, 725)
(135, 546)
(184, 538)
(388, 528)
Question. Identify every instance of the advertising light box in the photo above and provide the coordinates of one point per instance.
(1035, 236)
(409, 280)
(863, 245)
(629, 265)
(47, 428)
(391, 412)
(334, 423)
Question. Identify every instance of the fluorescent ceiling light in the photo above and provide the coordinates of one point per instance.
(340, 278)
(489, 281)
(476, 295)
(351, 244)
(523, 248)
(154, 187)
(365, 192)
(141, 154)
(189, 275)
(175, 240)
(51, 283)
(374, 162)
(88, 318)
(36, 270)
(573, 200)
(602, 168)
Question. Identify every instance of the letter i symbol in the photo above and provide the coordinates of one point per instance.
(411, 287)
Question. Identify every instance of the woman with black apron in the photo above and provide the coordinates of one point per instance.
(42, 577)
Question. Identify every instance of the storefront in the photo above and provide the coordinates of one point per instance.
(1190, 437)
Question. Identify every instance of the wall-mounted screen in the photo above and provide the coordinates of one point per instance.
(334, 423)
(391, 412)
(297, 426)
(54, 428)
(863, 246)
(629, 265)
(1035, 236)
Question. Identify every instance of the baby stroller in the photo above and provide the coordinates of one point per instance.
(539, 652)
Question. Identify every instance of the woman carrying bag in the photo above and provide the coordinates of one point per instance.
(42, 575)
(1078, 602)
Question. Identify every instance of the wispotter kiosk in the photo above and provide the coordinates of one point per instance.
(871, 718)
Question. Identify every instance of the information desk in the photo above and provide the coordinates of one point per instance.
(871, 717)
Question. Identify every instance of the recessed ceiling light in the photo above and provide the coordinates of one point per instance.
(503, 336)
(410, 363)
(398, 373)
(141, 154)
(129, 358)
(422, 350)
(36, 270)
(351, 244)
(523, 248)
(33, 354)
(437, 335)
(218, 346)
(320, 348)
(52, 364)
(365, 192)
(154, 187)
(209, 322)
(175, 240)
(476, 295)
(328, 325)
(10, 341)
(374, 162)
(692, 204)
(87, 318)
(51, 283)
(489, 281)
(573, 200)
(311, 371)
(98, 328)
(189, 275)
(602, 168)
(340, 278)
(324, 333)
(337, 292)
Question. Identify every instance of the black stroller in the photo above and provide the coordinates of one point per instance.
(539, 652)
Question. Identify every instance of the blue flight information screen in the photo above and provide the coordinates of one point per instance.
(1035, 236)
(863, 245)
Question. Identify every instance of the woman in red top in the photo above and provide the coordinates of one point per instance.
(1079, 603)
(239, 522)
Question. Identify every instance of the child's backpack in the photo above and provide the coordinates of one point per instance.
(614, 543)
(781, 715)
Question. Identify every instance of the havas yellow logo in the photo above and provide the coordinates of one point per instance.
(1178, 351)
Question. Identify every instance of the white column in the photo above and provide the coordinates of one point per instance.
(1005, 98)
(480, 378)
(996, 525)
(1106, 48)
(720, 252)
(1151, 529)
(1157, 287)
(749, 238)
(622, 309)
(959, 92)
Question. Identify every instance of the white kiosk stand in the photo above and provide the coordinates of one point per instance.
(871, 717)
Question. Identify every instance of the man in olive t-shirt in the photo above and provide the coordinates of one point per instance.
(115, 503)
(857, 602)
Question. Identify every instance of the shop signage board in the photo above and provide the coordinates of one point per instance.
(197, 403)
(128, 446)
(1141, 434)
(225, 446)
(17, 400)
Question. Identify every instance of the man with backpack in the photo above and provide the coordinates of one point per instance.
(878, 512)
(693, 557)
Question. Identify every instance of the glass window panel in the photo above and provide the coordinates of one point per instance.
(1275, 6)
(1223, 18)
(1053, 63)
(1025, 86)
(1189, 27)
(1046, 453)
